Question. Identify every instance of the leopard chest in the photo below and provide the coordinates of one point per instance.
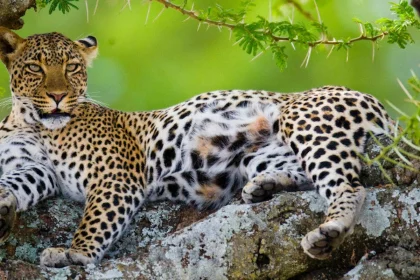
(88, 153)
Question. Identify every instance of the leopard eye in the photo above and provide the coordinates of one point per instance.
(72, 67)
(34, 68)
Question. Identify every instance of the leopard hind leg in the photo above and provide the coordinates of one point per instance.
(335, 176)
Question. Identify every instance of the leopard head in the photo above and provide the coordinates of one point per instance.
(48, 75)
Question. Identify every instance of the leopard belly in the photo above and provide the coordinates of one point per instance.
(216, 150)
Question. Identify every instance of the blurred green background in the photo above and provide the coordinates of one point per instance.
(158, 64)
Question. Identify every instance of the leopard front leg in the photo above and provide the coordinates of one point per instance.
(8, 207)
(109, 209)
(22, 188)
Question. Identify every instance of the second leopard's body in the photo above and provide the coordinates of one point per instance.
(201, 151)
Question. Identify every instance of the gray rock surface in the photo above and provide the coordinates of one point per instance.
(395, 263)
(239, 241)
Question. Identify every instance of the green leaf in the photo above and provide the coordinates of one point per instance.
(40, 4)
(279, 55)
(62, 5)
(357, 20)
(343, 45)
(320, 27)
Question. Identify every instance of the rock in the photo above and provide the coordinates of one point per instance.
(259, 241)
(239, 241)
(11, 12)
(395, 263)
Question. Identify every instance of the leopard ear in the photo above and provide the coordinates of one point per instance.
(9, 44)
(88, 48)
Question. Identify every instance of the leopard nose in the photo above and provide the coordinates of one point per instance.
(57, 97)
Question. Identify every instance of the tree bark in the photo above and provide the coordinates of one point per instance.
(11, 12)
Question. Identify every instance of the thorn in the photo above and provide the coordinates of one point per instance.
(307, 57)
(199, 25)
(413, 74)
(237, 42)
(123, 7)
(347, 55)
(362, 29)
(318, 13)
(87, 11)
(293, 15)
(160, 13)
(383, 36)
(148, 12)
(330, 52)
(404, 89)
(373, 51)
(259, 54)
(186, 19)
(96, 7)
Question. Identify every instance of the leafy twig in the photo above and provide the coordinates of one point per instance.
(261, 35)
(196, 16)
(256, 36)
(62, 5)
(193, 14)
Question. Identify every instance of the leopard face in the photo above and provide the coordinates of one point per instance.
(47, 74)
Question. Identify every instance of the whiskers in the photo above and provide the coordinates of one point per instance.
(5, 103)
(89, 98)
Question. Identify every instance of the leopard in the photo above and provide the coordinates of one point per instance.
(202, 152)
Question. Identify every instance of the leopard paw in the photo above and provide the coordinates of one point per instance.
(263, 186)
(61, 257)
(320, 242)
(8, 205)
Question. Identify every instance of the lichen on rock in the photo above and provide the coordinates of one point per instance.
(239, 241)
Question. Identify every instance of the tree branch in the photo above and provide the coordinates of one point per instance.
(196, 16)
(12, 11)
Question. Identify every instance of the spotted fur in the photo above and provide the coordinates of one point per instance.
(201, 151)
